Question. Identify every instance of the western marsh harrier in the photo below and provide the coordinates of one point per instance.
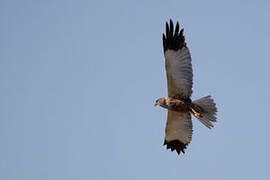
(179, 82)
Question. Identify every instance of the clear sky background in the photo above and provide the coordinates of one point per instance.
(78, 82)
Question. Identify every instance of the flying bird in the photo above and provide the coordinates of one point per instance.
(178, 102)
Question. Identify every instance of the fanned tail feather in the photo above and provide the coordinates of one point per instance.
(205, 110)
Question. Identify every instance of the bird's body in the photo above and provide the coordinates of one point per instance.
(175, 104)
(179, 81)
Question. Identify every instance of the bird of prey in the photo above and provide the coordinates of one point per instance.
(179, 81)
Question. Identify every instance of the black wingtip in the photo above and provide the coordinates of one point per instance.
(173, 39)
(176, 145)
(167, 29)
(176, 32)
(171, 29)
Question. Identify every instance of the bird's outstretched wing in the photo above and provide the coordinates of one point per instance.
(178, 131)
(178, 62)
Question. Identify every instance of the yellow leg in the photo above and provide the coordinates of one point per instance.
(196, 113)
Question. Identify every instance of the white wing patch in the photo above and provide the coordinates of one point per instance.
(179, 72)
(179, 127)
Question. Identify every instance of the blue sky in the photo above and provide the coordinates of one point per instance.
(79, 80)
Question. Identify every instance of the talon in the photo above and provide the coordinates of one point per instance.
(197, 114)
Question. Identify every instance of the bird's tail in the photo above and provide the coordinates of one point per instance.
(205, 110)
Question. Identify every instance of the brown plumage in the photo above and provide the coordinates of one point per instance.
(179, 82)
